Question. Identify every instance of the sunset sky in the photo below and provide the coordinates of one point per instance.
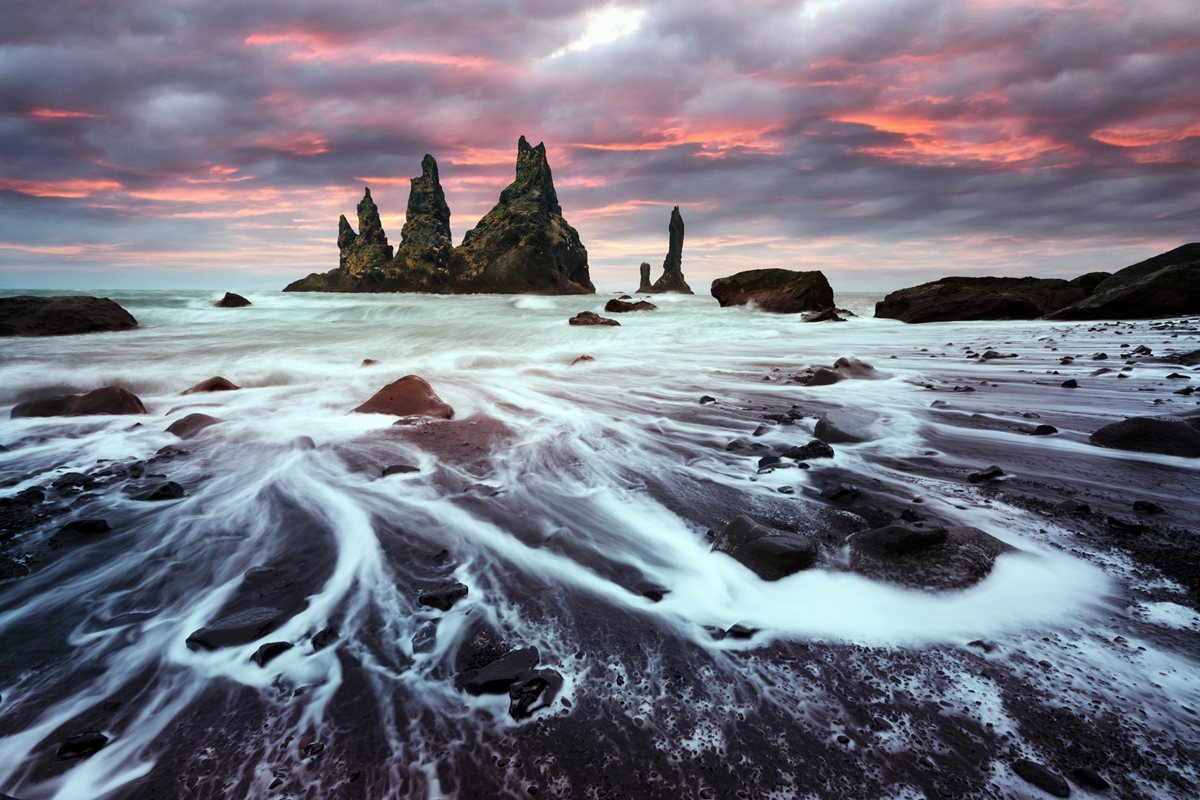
(213, 143)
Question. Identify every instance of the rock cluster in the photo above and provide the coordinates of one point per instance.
(524, 244)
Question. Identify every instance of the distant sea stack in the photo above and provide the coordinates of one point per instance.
(1166, 285)
(671, 279)
(523, 245)
(645, 286)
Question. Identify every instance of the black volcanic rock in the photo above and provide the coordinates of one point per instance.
(106, 400)
(769, 552)
(364, 258)
(645, 287)
(671, 279)
(979, 298)
(524, 244)
(27, 315)
(616, 306)
(425, 242)
(782, 291)
(1163, 435)
(231, 300)
(591, 318)
(928, 558)
(1166, 285)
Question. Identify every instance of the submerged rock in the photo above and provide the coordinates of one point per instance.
(978, 298)
(214, 384)
(845, 426)
(524, 244)
(107, 400)
(443, 599)
(238, 628)
(620, 306)
(269, 651)
(498, 675)
(1042, 777)
(671, 279)
(782, 291)
(842, 369)
(770, 553)
(532, 692)
(410, 396)
(231, 300)
(1164, 435)
(189, 426)
(927, 558)
(27, 315)
(165, 491)
(591, 318)
(82, 745)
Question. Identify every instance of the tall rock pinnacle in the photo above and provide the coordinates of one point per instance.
(369, 248)
(672, 278)
(645, 285)
(425, 242)
(523, 244)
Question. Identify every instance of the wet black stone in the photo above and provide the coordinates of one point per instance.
(1088, 778)
(1121, 526)
(814, 449)
(1042, 777)
(706, 399)
(269, 651)
(73, 480)
(533, 692)
(444, 598)
(325, 637)
(769, 552)
(167, 491)
(84, 527)
(991, 473)
(1147, 507)
(1070, 383)
(241, 627)
(399, 469)
(497, 676)
(82, 745)
(1044, 430)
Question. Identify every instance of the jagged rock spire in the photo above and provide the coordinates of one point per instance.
(370, 229)
(425, 239)
(672, 278)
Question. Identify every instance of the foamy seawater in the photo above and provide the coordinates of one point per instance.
(573, 502)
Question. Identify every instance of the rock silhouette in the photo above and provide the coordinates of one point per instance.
(671, 279)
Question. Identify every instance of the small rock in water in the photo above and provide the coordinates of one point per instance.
(1147, 507)
(769, 552)
(591, 318)
(82, 745)
(192, 424)
(231, 300)
(1070, 383)
(1044, 430)
(369, 362)
(1042, 777)
(167, 491)
(620, 306)
(214, 384)
(324, 637)
(989, 474)
(410, 396)
(500, 674)
(106, 400)
(533, 692)
(583, 359)
(814, 449)
(444, 598)
(706, 399)
(1099, 356)
(84, 527)
(269, 651)
(399, 469)
(238, 628)
(1122, 526)
(1073, 507)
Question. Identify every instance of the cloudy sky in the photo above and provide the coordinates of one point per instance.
(213, 143)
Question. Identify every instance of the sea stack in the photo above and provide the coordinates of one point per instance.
(672, 278)
(524, 244)
(645, 286)
(369, 248)
(425, 243)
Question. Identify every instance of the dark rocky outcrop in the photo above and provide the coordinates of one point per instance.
(26, 315)
(927, 558)
(1166, 285)
(107, 400)
(615, 306)
(410, 396)
(591, 318)
(979, 298)
(1042, 777)
(782, 291)
(842, 369)
(769, 552)
(524, 244)
(1164, 435)
(269, 651)
(189, 426)
(214, 384)
(231, 300)
(671, 279)
(238, 628)
(645, 287)
(82, 745)
(497, 676)
(444, 598)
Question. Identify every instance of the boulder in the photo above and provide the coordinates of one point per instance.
(1042, 777)
(769, 552)
(645, 287)
(106, 400)
(926, 558)
(979, 298)
(620, 306)
(533, 691)
(524, 244)
(1165, 285)
(671, 279)
(214, 384)
(842, 369)
(82, 745)
(845, 426)
(443, 599)
(189, 426)
(782, 291)
(591, 318)
(499, 675)
(1170, 436)
(269, 651)
(411, 396)
(241, 627)
(825, 315)
(231, 300)
(27, 315)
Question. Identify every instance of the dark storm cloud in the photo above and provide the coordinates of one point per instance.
(907, 138)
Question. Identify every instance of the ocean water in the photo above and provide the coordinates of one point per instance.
(565, 497)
